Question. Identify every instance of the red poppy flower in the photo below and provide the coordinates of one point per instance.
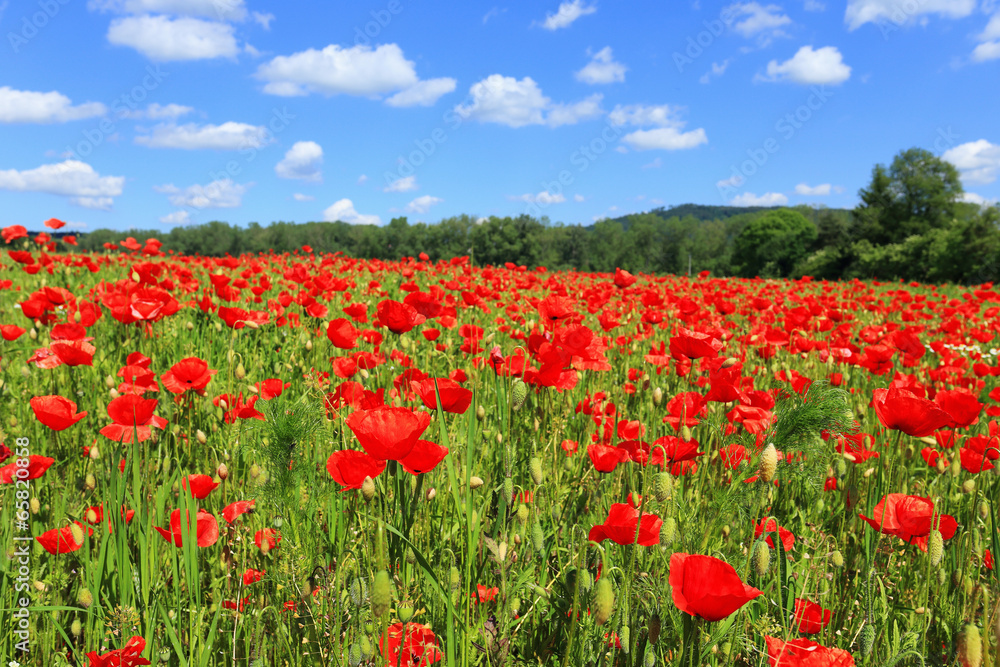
(191, 374)
(624, 279)
(694, 345)
(61, 540)
(201, 485)
(811, 617)
(207, 529)
(397, 317)
(95, 514)
(233, 510)
(707, 587)
(271, 388)
(620, 527)
(423, 458)
(237, 408)
(236, 606)
(349, 468)
(342, 333)
(129, 655)
(484, 594)
(910, 519)
(605, 458)
(961, 404)
(455, 398)
(252, 576)
(37, 466)
(11, 332)
(268, 536)
(54, 223)
(787, 538)
(56, 412)
(74, 352)
(804, 653)
(904, 411)
(409, 645)
(388, 433)
(131, 412)
(13, 232)
(570, 447)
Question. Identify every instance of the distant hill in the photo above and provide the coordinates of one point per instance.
(706, 212)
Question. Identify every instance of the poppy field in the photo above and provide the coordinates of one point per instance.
(310, 459)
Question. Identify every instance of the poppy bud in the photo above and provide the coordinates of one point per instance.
(368, 489)
(241, 372)
(604, 601)
(668, 532)
(110, 382)
(364, 374)
(358, 590)
(455, 579)
(522, 514)
(508, 488)
(585, 580)
(354, 656)
(657, 396)
(935, 547)
(649, 660)
(222, 471)
(480, 413)
(664, 485)
(410, 556)
(653, 626)
(867, 640)
(977, 542)
(113, 394)
(837, 558)
(535, 466)
(33, 334)
(840, 468)
(969, 486)
(94, 453)
(431, 494)
(34, 505)
(89, 483)
(84, 598)
(730, 362)
(475, 482)
(624, 634)
(768, 463)
(76, 628)
(537, 536)
(984, 509)
(309, 346)
(956, 467)
(499, 438)
(200, 436)
(381, 594)
(518, 394)
(761, 558)
(25, 372)
(970, 647)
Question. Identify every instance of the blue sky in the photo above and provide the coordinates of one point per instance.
(151, 113)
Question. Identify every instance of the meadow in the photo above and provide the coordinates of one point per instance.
(308, 459)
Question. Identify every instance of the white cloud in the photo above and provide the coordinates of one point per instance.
(667, 133)
(229, 136)
(718, 69)
(507, 101)
(986, 51)
(166, 111)
(655, 164)
(71, 178)
(27, 106)
(164, 39)
(814, 6)
(602, 68)
(358, 70)
(765, 20)
(343, 211)
(810, 67)
(406, 184)
(860, 12)
(973, 198)
(544, 198)
(176, 218)
(734, 181)
(221, 10)
(822, 190)
(992, 30)
(302, 161)
(493, 13)
(979, 161)
(421, 205)
(767, 199)
(263, 20)
(298, 196)
(423, 93)
(222, 193)
(579, 198)
(566, 14)
(362, 179)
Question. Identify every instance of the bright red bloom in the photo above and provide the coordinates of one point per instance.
(342, 334)
(252, 576)
(95, 514)
(131, 412)
(707, 587)
(61, 540)
(237, 408)
(268, 536)
(904, 411)
(130, 655)
(56, 412)
(409, 645)
(423, 458)
(621, 524)
(37, 466)
(13, 232)
(606, 458)
(811, 617)
(694, 345)
(485, 594)
(961, 404)
(190, 374)
(455, 398)
(201, 485)
(570, 447)
(11, 332)
(804, 653)
(388, 433)
(271, 388)
(787, 538)
(397, 317)
(207, 529)
(624, 279)
(910, 519)
(349, 468)
(234, 510)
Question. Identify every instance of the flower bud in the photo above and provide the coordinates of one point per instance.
(522, 514)
(405, 612)
(935, 547)
(222, 471)
(368, 489)
(668, 532)
(537, 536)
(664, 486)
(90, 482)
(84, 598)
(76, 628)
(200, 436)
(761, 558)
(730, 362)
(604, 601)
(867, 640)
(518, 394)
(970, 647)
(241, 372)
(381, 594)
(475, 482)
(535, 466)
(768, 463)
(34, 505)
(431, 494)
(837, 559)
(480, 413)
(657, 396)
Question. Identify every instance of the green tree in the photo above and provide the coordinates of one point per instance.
(771, 245)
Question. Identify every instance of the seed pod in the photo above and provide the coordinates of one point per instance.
(358, 590)
(535, 465)
(475, 482)
(508, 488)
(368, 489)
(867, 640)
(668, 532)
(657, 396)
(480, 413)
(76, 628)
(454, 578)
(538, 537)
(970, 647)
(381, 594)
(522, 514)
(518, 394)
(768, 463)
(405, 612)
(761, 558)
(664, 485)
(649, 660)
(355, 657)
(604, 601)
(935, 547)
(84, 598)
(653, 627)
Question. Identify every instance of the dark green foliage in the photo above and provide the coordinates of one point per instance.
(773, 244)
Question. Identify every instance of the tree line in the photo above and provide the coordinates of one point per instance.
(911, 223)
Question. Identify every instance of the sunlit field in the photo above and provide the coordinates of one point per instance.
(307, 459)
